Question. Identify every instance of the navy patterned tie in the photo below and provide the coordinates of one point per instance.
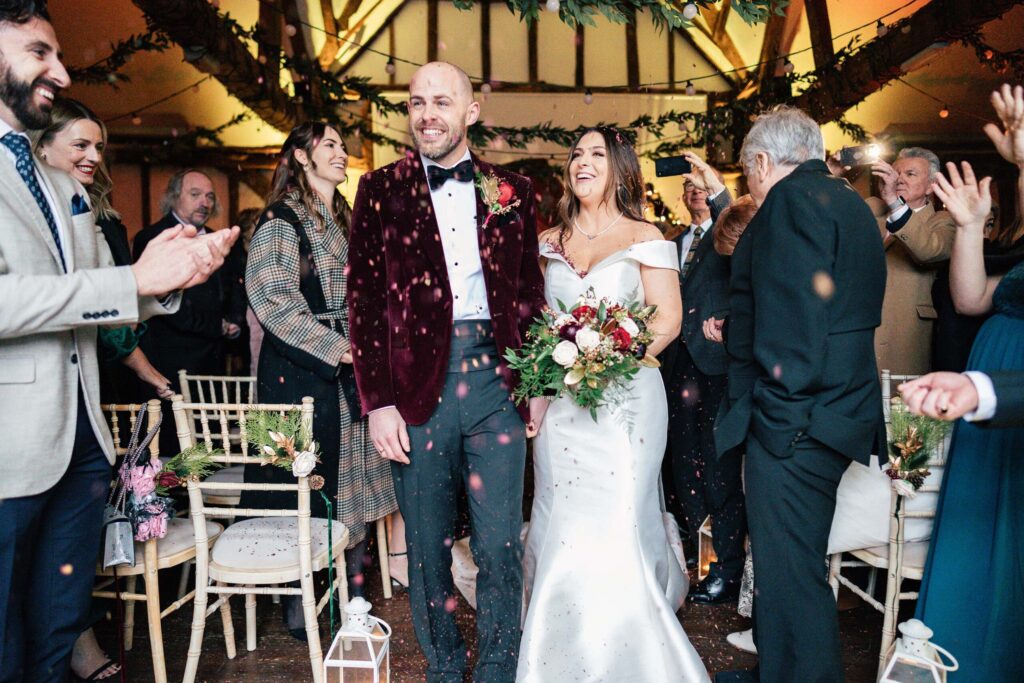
(18, 144)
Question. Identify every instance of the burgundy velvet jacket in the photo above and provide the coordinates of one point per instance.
(400, 300)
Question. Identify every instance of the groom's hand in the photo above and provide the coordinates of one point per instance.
(389, 435)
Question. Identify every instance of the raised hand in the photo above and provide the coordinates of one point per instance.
(966, 199)
(1009, 106)
(887, 177)
(178, 258)
(703, 176)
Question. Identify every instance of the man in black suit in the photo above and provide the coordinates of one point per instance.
(192, 339)
(694, 371)
(806, 289)
(988, 399)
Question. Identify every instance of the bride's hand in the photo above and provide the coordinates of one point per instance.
(712, 328)
(538, 408)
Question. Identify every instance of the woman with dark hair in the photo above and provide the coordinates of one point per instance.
(597, 528)
(75, 142)
(297, 287)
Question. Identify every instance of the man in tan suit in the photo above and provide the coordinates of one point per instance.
(917, 239)
(57, 284)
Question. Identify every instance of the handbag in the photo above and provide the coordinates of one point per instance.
(118, 535)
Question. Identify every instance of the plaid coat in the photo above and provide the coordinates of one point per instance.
(301, 354)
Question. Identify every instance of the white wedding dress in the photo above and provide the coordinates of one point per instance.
(602, 584)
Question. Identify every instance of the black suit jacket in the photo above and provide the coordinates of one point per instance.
(1009, 388)
(191, 339)
(705, 292)
(808, 277)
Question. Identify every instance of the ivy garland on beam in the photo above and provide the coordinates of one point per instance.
(107, 70)
(1003, 63)
(663, 13)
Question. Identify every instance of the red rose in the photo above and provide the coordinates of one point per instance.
(584, 313)
(621, 338)
(167, 480)
(505, 193)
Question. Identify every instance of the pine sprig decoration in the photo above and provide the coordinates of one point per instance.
(194, 462)
(277, 438)
(913, 440)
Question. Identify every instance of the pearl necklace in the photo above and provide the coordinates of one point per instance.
(600, 232)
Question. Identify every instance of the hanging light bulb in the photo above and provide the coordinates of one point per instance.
(390, 66)
(690, 10)
(136, 120)
(290, 30)
(787, 66)
(588, 97)
(691, 89)
(553, 5)
(944, 112)
(881, 28)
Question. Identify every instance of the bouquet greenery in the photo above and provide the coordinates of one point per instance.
(583, 350)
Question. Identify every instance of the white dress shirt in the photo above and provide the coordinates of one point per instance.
(5, 128)
(455, 209)
(986, 397)
(688, 240)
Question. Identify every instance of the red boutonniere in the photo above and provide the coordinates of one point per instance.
(498, 196)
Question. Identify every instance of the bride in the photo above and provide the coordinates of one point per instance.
(602, 584)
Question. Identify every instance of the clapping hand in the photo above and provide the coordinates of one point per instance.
(179, 257)
(966, 199)
(940, 395)
(702, 176)
(1009, 105)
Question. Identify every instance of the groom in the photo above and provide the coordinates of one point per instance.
(441, 284)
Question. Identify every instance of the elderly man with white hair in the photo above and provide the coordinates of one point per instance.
(805, 298)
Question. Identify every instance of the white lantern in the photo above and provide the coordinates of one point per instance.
(915, 659)
(705, 549)
(361, 651)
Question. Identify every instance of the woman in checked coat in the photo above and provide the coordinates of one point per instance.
(297, 288)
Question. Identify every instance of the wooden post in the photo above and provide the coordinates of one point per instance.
(671, 58)
(432, 34)
(531, 47)
(821, 32)
(485, 41)
(632, 54)
(581, 79)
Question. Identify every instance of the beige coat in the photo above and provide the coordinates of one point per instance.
(48, 328)
(904, 339)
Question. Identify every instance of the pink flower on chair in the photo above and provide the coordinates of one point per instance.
(141, 481)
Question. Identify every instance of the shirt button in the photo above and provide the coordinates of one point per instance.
(74, 359)
(114, 312)
(87, 316)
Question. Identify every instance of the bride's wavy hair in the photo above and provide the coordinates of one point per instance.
(625, 190)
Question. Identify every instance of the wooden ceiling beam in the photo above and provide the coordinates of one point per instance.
(211, 45)
(779, 34)
(878, 62)
(331, 45)
(821, 32)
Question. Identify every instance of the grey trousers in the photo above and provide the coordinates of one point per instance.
(475, 441)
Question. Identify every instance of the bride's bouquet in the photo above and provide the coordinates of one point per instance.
(586, 350)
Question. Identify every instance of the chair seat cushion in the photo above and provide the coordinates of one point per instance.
(914, 556)
(270, 545)
(177, 546)
(227, 475)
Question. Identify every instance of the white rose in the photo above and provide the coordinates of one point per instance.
(587, 339)
(629, 326)
(565, 353)
(304, 463)
(904, 488)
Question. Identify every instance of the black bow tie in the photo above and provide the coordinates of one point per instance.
(461, 172)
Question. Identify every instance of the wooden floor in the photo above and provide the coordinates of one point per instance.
(280, 658)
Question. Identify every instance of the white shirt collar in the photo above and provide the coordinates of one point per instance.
(703, 226)
(431, 162)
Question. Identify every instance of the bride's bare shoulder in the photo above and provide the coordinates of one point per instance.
(550, 235)
(645, 232)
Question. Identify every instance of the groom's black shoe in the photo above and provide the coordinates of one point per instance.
(713, 590)
(737, 676)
